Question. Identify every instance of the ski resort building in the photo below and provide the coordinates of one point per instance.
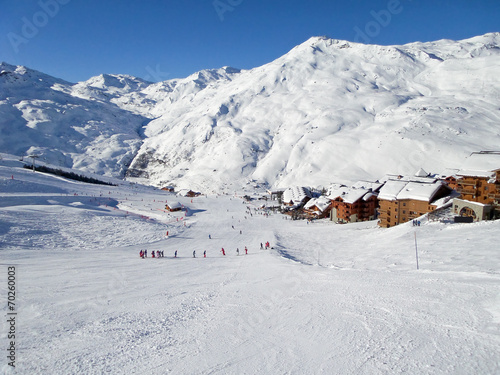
(353, 204)
(188, 193)
(296, 197)
(173, 206)
(318, 208)
(405, 199)
(478, 182)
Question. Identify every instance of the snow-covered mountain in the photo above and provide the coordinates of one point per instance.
(46, 116)
(327, 111)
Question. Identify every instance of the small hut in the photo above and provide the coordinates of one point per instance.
(173, 206)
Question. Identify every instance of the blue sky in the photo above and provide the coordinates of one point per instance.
(166, 39)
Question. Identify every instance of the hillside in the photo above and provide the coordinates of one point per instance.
(332, 111)
(327, 111)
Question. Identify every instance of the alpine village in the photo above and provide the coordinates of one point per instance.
(469, 194)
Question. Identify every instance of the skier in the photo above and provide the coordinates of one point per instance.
(146, 253)
(141, 254)
(205, 254)
(194, 253)
(175, 255)
(237, 251)
(261, 246)
(209, 237)
(246, 251)
(223, 251)
(153, 254)
(157, 253)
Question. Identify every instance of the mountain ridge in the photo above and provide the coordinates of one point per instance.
(327, 111)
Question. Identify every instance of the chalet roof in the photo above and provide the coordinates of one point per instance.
(399, 190)
(296, 194)
(354, 195)
(185, 192)
(480, 164)
(420, 191)
(391, 189)
(174, 205)
(321, 203)
(449, 172)
(428, 178)
(348, 194)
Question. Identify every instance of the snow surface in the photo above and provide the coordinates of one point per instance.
(327, 298)
(481, 165)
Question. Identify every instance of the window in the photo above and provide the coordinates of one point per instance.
(404, 204)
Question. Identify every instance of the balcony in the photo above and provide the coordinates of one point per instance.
(465, 183)
(466, 191)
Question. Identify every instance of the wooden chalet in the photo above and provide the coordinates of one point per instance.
(188, 193)
(353, 204)
(318, 208)
(173, 206)
(403, 200)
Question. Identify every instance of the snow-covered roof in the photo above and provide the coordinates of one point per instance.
(400, 189)
(174, 205)
(321, 203)
(449, 172)
(428, 179)
(348, 194)
(480, 164)
(391, 189)
(353, 195)
(296, 194)
(419, 191)
(336, 191)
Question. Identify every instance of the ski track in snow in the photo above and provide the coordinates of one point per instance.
(339, 299)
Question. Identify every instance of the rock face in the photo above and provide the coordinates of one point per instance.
(327, 111)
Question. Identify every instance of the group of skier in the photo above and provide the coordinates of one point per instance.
(237, 251)
(154, 254)
(267, 246)
(159, 254)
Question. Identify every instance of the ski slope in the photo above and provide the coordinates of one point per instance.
(327, 298)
